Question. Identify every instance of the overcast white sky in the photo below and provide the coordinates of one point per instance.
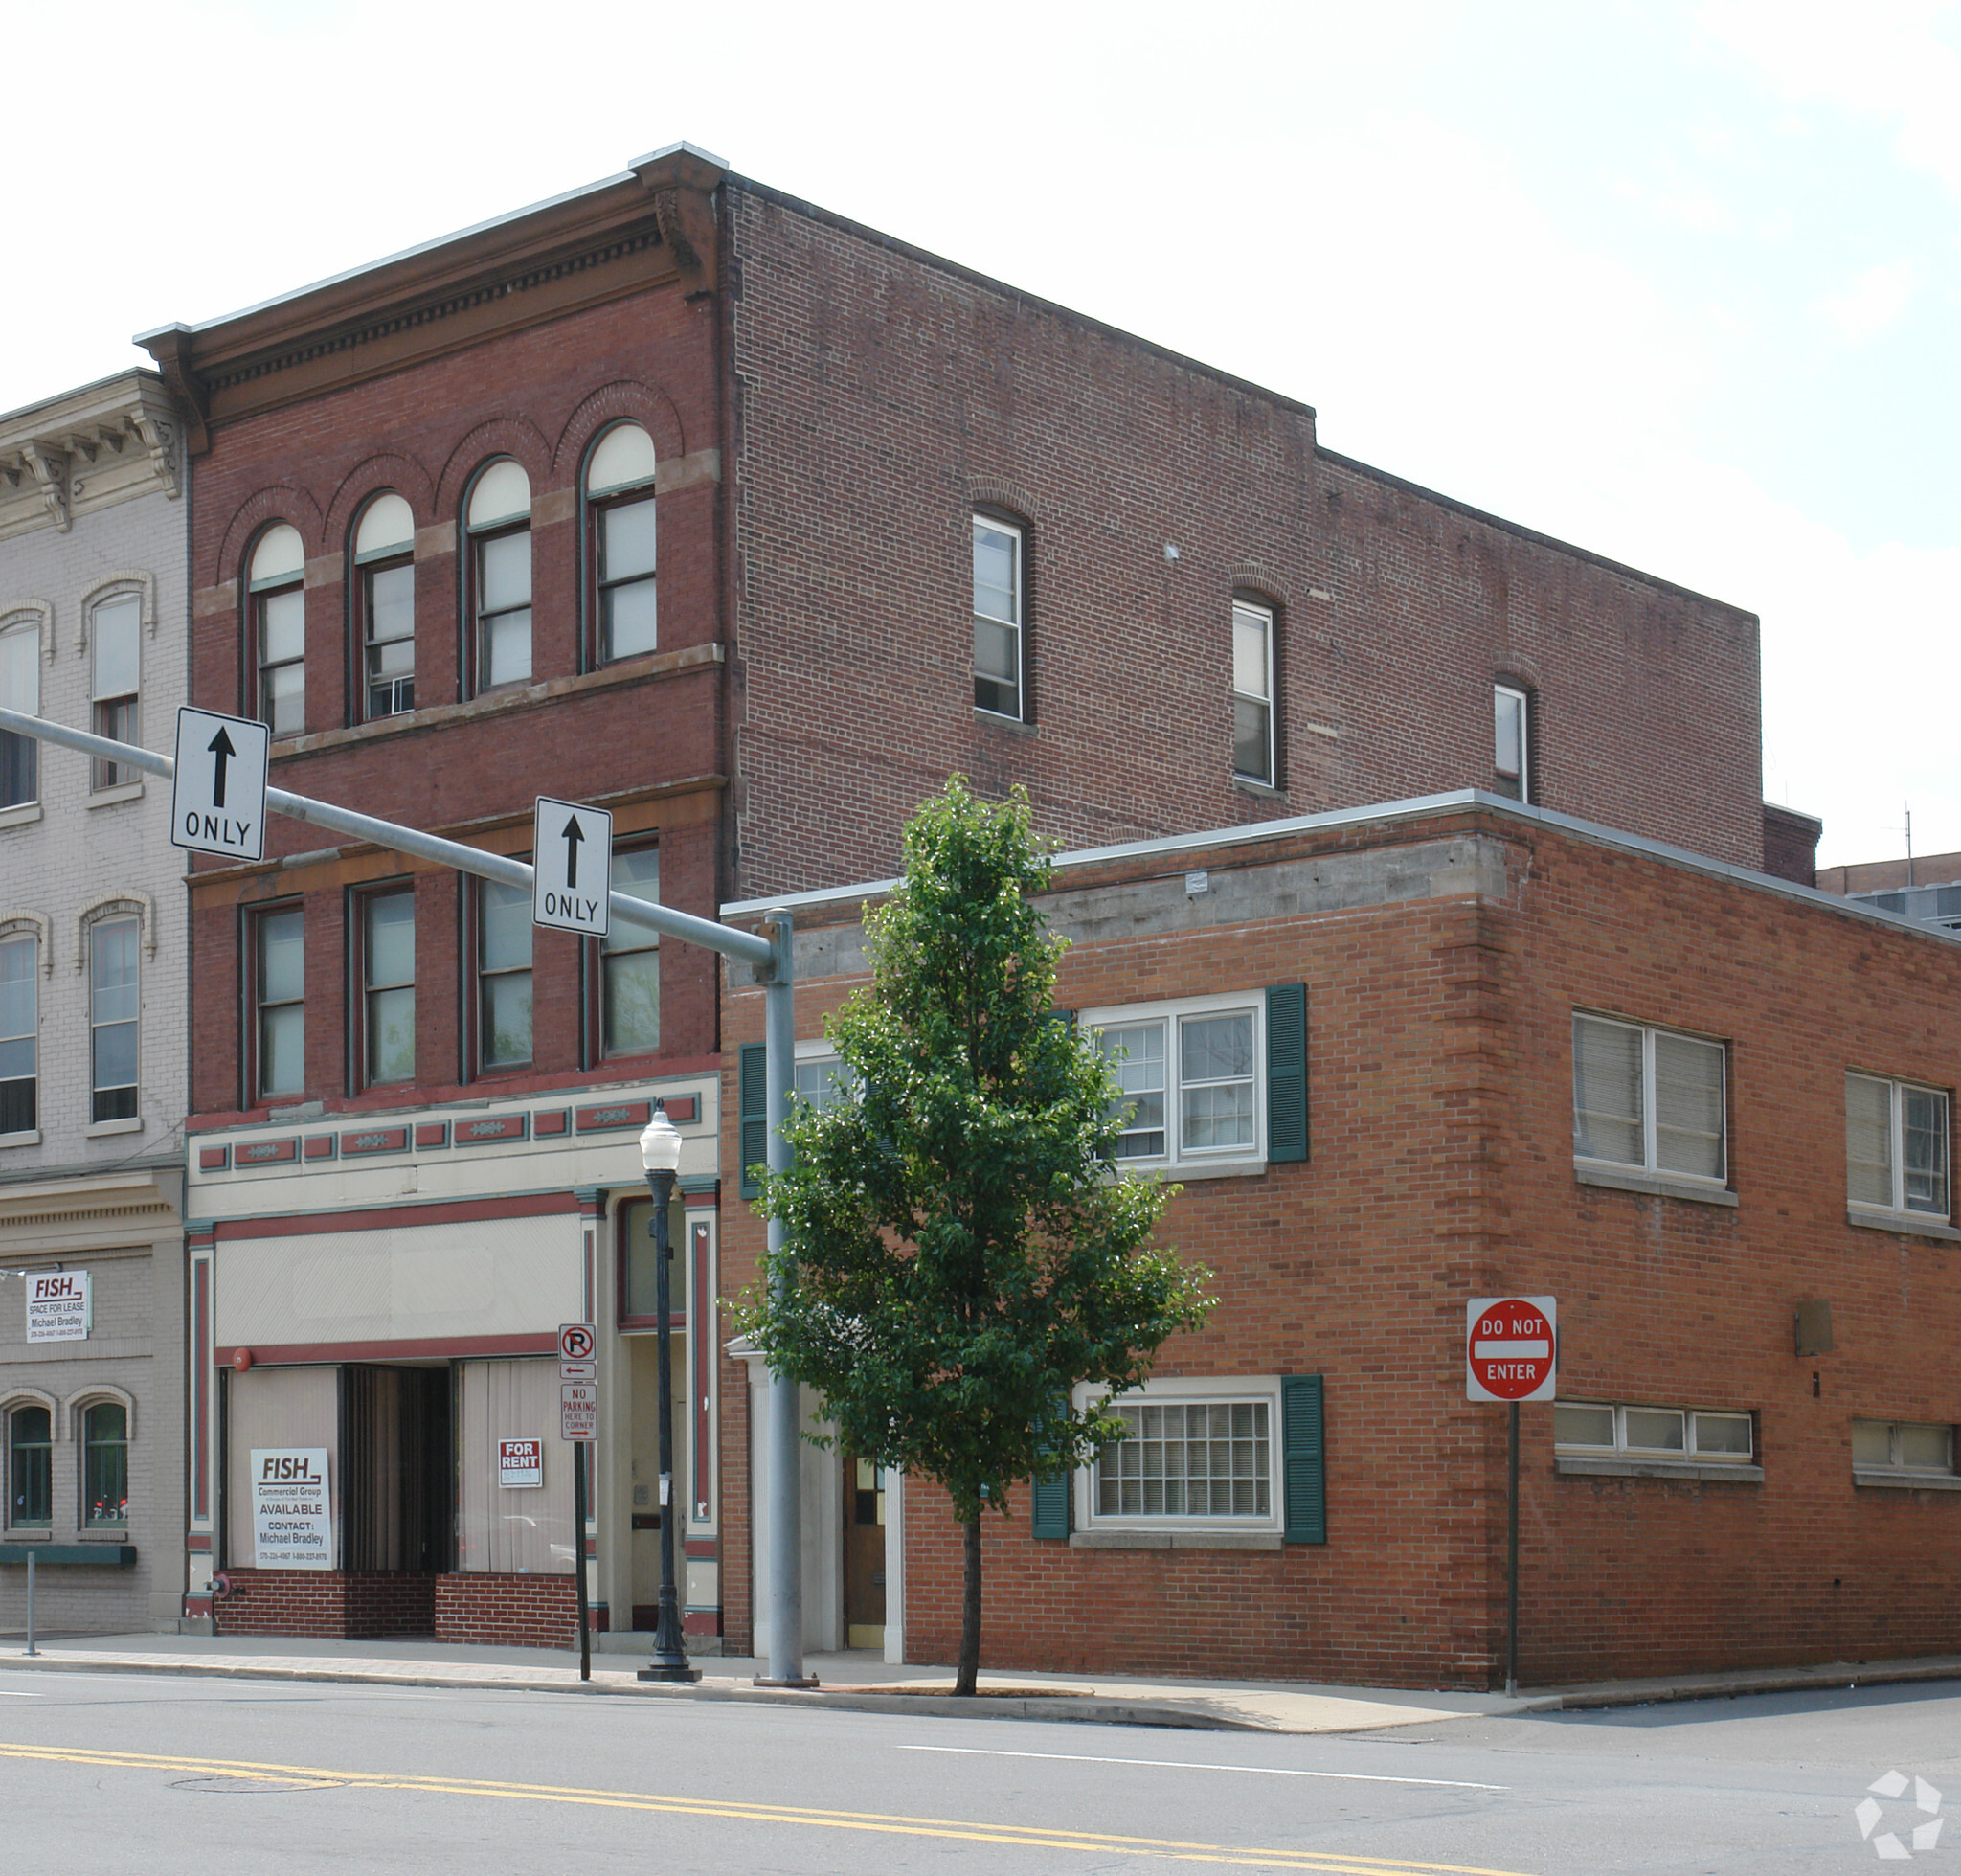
(1676, 279)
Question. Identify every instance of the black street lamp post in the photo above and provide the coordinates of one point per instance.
(660, 1153)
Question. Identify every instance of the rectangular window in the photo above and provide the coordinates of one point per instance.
(30, 1469)
(280, 989)
(1896, 1146)
(630, 962)
(1512, 753)
(1253, 691)
(1206, 1452)
(116, 635)
(388, 986)
(1649, 1099)
(281, 635)
(819, 1079)
(388, 615)
(20, 689)
(1901, 1446)
(503, 609)
(1662, 1433)
(19, 1034)
(504, 975)
(996, 617)
(105, 1465)
(1192, 1076)
(627, 622)
(114, 1005)
(1188, 1460)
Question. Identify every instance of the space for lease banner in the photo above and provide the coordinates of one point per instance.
(292, 1520)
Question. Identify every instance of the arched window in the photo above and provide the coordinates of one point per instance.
(276, 601)
(1253, 690)
(620, 499)
(30, 1469)
(20, 689)
(105, 1465)
(114, 636)
(385, 602)
(115, 1005)
(499, 524)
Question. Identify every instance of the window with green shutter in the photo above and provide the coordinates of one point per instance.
(755, 1113)
(1286, 1073)
(1303, 1460)
(1048, 1503)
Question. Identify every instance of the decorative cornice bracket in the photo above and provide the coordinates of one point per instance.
(49, 468)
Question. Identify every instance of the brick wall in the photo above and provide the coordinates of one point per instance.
(507, 1612)
(882, 395)
(353, 1605)
(1444, 959)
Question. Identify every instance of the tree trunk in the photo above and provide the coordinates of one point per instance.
(970, 1611)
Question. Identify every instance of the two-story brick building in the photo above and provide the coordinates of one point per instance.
(1708, 1111)
(94, 1010)
(682, 496)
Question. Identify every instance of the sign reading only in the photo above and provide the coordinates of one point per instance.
(571, 868)
(217, 799)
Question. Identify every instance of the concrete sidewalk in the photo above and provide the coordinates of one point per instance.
(860, 1681)
(856, 1681)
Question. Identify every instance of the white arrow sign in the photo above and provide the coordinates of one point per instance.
(572, 867)
(217, 801)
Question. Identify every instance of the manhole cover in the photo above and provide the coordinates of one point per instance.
(224, 1782)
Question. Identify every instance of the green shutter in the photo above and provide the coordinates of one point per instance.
(755, 1115)
(1304, 1459)
(1048, 1503)
(1286, 1073)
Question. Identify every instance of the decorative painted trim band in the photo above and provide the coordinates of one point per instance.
(374, 1139)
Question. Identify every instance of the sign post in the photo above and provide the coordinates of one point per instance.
(579, 1422)
(1511, 1353)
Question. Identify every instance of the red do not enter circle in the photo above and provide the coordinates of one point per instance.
(1511, 1348)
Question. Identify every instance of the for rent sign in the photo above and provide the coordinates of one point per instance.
(520, 1462)
(292, 1520)
(59, 1306)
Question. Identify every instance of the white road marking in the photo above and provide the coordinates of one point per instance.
(24, 1693)
(1193, 1765)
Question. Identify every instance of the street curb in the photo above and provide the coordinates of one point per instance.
(1102, 1712)
(1844, 1675)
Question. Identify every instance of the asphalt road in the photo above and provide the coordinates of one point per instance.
(130, 1773)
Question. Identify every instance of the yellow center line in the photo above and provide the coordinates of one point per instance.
(1023, 1836)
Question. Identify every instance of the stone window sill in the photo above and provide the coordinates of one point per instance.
(1577, 1467)
(21, 816)
(1873, 1218)
(102, 1128)
(1187, 1171)
(506, 699)
(123, 791)
(1265, 790)
(1014, 726)
(31, 1138)
(1659, 1184)
(1907, 1481)
(1180, 1540)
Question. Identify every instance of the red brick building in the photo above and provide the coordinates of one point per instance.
(1706, 1110)
(909, 520)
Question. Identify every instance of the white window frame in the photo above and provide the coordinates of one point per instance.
(1195, 1162)
(1895, 1090)
(1895, 1464)
(1688, 1449)
(1523, 699)
(1018, 624)
(1264, 615)
(105, 774)
(1189, 1391)
(25, 628)
(813, 1054)
(1650, 1166)
(32, 940)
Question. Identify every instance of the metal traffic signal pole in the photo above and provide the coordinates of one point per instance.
(772, 963)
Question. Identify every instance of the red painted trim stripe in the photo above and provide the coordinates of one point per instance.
(200, 1387)
(439, 1348)
(527, 1205)
(701, 1472)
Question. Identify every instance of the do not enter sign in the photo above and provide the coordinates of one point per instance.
(1511, 1347)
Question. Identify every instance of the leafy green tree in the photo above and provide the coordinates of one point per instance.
(959, 1251)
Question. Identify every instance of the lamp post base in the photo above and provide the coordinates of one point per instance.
(662, 1670)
